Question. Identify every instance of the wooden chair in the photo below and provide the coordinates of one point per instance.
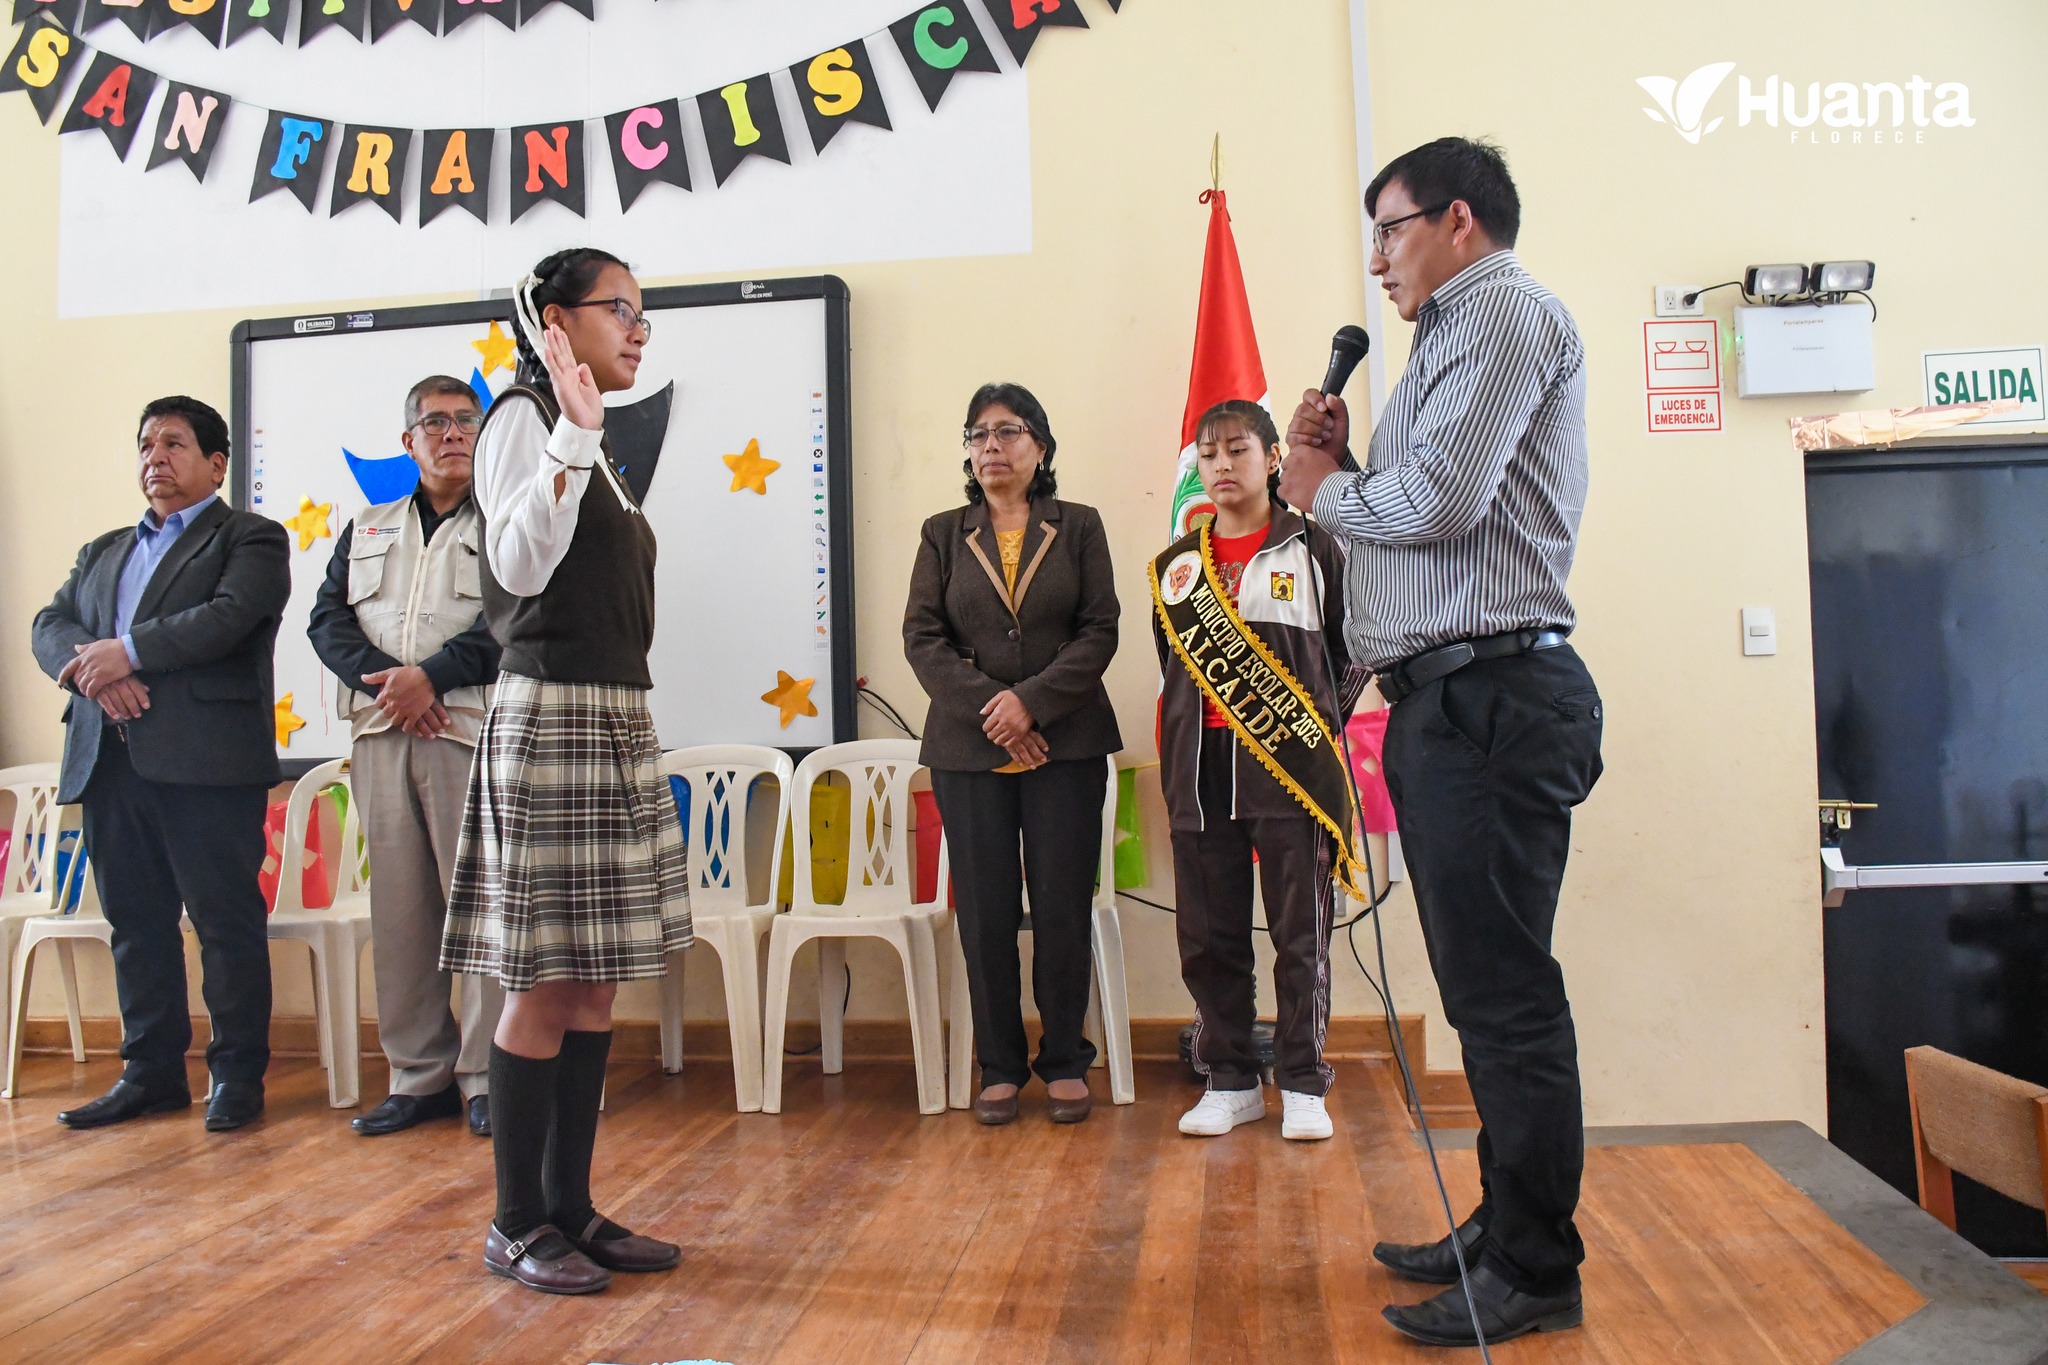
(1990, 1126)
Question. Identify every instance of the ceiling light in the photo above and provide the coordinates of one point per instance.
(1843, 277)
(1774, 281)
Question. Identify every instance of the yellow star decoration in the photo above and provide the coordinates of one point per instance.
(286, 719)
(792, 696)
(497, 349)
(311, 522)
(750, 469)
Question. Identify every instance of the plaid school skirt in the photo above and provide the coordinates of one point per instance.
(571, 864)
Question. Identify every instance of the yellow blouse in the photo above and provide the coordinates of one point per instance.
(1010, 544)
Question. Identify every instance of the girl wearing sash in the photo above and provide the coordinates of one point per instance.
(570, 874)
(1248, 619)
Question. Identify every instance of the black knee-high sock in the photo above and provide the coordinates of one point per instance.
(579, 1089)
(522, 1115)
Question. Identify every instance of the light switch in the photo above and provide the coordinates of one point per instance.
(1759, 630)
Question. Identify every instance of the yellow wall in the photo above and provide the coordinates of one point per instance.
(1690, 928)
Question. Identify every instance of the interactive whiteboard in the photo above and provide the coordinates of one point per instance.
(736, 433)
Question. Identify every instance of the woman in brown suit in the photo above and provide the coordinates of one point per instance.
(1012, 620)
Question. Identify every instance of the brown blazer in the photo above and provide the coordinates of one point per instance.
(967, 640)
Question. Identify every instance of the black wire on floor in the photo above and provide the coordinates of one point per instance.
(820, 1047)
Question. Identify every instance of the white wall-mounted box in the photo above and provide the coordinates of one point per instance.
(1804, 348)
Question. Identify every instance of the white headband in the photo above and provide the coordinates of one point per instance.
(526, 315)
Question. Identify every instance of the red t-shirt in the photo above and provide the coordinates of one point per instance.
(1231, 553)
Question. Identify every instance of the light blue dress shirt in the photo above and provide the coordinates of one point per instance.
(152, 543)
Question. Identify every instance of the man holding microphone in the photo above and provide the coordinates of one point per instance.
(1461, 527)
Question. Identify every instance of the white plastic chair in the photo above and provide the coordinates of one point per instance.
(1109, 1005)
(879, 904)
(31, 891)
(336, 935)
(729, 918)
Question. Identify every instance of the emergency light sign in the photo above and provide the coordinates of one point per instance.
(1979, 376)
(1682, 375)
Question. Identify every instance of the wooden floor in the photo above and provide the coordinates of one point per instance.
(849, 1229)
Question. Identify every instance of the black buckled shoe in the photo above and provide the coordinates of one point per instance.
(545, 1260)
(1504, 1311)
(480, 1115)
(400, 1112)
(1433, 1262)
(235, 1104)
(125, 1101)
(633, 1254)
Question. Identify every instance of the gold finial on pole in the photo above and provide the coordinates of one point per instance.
(1216, 163)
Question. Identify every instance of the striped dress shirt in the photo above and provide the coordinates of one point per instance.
(1463, 521)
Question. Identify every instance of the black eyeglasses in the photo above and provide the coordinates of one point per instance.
(1380, 230)
(629, 317)
(438, 423)
(1008, 434)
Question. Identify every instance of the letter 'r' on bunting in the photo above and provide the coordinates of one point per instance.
(1020, 21)
(41, 63)
(836, 88)
(188, 128)
(111, 98)
(740, 121)
(940, 41)
(370, 165)
(455, 172)
(290, 157)
(547, 164)
(646, 143)
(247, 16)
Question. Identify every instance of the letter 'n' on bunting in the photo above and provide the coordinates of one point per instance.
(838, 87)
(646, 144)
(111, 98)
(455, 172)
(1021, 21)
(290, 157)
(940, 41)
(188, 128)
(41, 63)
(547, 164)
(370, 165)
(740, 121)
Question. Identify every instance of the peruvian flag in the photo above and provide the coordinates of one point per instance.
(1226, 361)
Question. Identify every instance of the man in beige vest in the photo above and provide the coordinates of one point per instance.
(400, 622)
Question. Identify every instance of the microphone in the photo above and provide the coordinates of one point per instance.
(1347, 348)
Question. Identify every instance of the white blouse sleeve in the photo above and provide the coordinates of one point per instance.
(527, 529)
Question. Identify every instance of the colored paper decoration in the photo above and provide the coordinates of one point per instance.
(547, 164)
(636, 432)
(740, 121)
(290, 157)
(385, 480)
(310, 522)
(136, 15)
(250, 16)
(386, 15)
(288, 721)
(838, 87)
(317, 16)
(939, 42)
(371, 167)
(646, 144)
(1021, 21)
(455, 172)
(455, 13)
(188, 128)
(111, 98)
(208, 18)
(750, 468)
(40, 62)
(791, 696)
(529, 8)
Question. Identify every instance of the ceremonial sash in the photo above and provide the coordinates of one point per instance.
(1270, 712)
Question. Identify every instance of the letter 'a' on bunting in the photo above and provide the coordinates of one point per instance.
(247, 16)
(290, 157)
(940, 41)
(386, 15)
(370, 165)
(1021, 21)
(646, 144)
(317, 16)
(740, 121)
(40, 63)
(111, 98)
(547, 165)
(455, 172)
(188, 128)
(838, 87)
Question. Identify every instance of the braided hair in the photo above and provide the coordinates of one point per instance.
(1256, 423)
(564, 277)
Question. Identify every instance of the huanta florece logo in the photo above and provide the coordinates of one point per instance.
(1878, 110)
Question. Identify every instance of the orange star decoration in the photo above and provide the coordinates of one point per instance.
(311, 522)
(286, 720)
(792, 696)
(750, 469)
(497, 349)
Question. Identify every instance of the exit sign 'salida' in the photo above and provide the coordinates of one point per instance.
(1976, 376)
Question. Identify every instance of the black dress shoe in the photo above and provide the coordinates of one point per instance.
(545, 1260)
(1432, 1262)
(234, 1104)
(1505, 1312)
(126, 1100)
(632, 1253)
(480, 1115)
(400, 1112)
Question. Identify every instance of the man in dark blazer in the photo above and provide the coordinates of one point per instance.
(163, 635)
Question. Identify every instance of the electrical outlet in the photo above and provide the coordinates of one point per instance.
(1671, 301)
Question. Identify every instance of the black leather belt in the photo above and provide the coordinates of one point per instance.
(1411, 675)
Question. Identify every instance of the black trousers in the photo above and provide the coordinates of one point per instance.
(1484, 767)
(1212, 892)
(158, 847)
(1057, 811)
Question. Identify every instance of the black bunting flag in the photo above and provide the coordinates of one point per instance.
(938, 42)
(455, 172)
(111, 98)
(836, 88)
(370, 165)
(208, 18)
(64, 12)
(318, 16)
(188, 128)
(40, 63)
(290, 157)
(1021, 20)
(247, 16)
(529, 8)
(740, 121)
(386, 15)
(137, 15)
(646, 144)
(455, 12)
(547, 164)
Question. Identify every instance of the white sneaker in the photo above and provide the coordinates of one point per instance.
(1304, 1118)
(1222, 1110)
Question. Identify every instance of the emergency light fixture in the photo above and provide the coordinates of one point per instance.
(1843, 277)
(1774, 281)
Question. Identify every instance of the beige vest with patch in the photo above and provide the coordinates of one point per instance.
(411, 599)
